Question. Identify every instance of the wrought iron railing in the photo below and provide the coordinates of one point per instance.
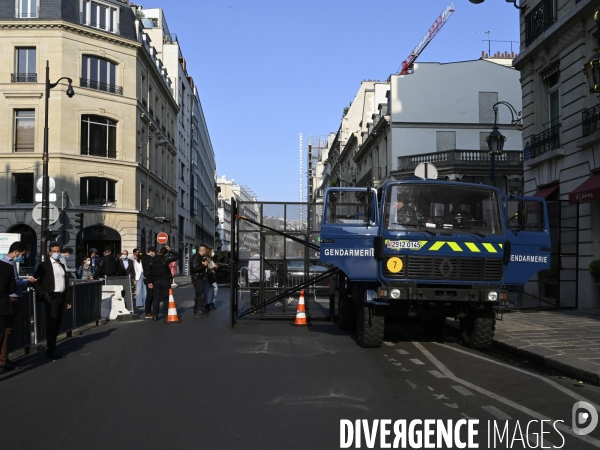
(100, 152)
(461, 158)
(100, 86)
(590, 119)
(545, 141)
(23, 77)
(372, 176)
(539, 20)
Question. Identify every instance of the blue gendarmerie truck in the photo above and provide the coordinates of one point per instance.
(430, 250)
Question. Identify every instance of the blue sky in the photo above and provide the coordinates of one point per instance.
(268, 70)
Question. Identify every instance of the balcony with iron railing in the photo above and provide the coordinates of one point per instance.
(546, 141)
(590, 120)
(371, 178)
(539, 20)
(100, 86)
(463, 158)
(23, 77)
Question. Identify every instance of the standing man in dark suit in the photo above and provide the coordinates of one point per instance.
(126, 265)
(8, 286)
(52, 287)
(109, 266)
(160, 279)
(146, 260)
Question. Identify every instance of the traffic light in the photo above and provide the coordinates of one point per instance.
(79, 221)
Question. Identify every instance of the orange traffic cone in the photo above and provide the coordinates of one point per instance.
(301, 313)
(172, 316)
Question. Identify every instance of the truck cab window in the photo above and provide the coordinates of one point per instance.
(449, 209)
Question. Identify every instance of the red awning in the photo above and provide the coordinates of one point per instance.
(588, 191)
(546, 192)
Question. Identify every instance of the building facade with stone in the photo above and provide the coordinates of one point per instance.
(561, 138)
(109, 156)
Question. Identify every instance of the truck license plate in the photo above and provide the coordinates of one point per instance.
(398, 245)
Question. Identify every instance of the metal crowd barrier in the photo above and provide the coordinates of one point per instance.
(30, 324)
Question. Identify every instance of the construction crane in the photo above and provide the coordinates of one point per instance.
(435, 28)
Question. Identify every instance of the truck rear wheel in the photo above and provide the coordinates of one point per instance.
(477, 329)
(370, 327)
(346, 311)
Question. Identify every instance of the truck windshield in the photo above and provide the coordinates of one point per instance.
(442, 208)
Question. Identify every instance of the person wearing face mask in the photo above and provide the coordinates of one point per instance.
(138, 277)
(86, 271)
(52, 289)
(126, 265)
(146, 260)
(12, 257)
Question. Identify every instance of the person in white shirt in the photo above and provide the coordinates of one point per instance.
(140, 287)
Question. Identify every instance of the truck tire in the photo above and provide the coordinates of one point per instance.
(370, 327)
(346, 311)
(477, 329)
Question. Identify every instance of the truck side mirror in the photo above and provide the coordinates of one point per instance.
(379, 247)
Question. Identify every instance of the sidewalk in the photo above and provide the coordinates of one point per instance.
(567, 340)
(182, 280)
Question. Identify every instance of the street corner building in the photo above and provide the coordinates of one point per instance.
(123, 169)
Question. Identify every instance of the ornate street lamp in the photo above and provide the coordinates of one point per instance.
(514, 2)
(591, 69)
(46, 235)
(495, 140)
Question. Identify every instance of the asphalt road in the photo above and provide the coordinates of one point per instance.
(270, 385)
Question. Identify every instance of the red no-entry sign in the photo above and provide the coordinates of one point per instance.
(162, 238)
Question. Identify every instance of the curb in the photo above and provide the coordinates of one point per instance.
(582, 370)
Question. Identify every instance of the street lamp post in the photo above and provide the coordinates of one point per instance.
(45, 234)
(591, 69)
(495, 140)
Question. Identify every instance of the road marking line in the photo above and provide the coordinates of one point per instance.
(496, 413)
(397, 364)
(430, 388)
(452, 405)
(437, 374)
(390, 344)
(554, 384)
(441, 397)
(465, 416)
(402, 352)
(414, 386)
(462, 390)
(499, 398)
(418, 362)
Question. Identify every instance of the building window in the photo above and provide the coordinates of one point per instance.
(24, 130)
(98, 136)
(99, 74)
(97, 191)
(99, 15)
(25, 71)
(553, 84)
(27, 9)
(23, 188)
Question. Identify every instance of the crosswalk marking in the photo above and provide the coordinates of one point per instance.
(389, 344)
(402, 352)
(496, 413)
(418, 362)
(462, 390)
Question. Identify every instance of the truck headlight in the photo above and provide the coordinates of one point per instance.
(492, 296)
(395, 293)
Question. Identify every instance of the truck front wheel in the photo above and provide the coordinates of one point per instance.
(477, 329)
(370, 327)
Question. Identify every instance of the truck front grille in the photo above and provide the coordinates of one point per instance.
(439, 268)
